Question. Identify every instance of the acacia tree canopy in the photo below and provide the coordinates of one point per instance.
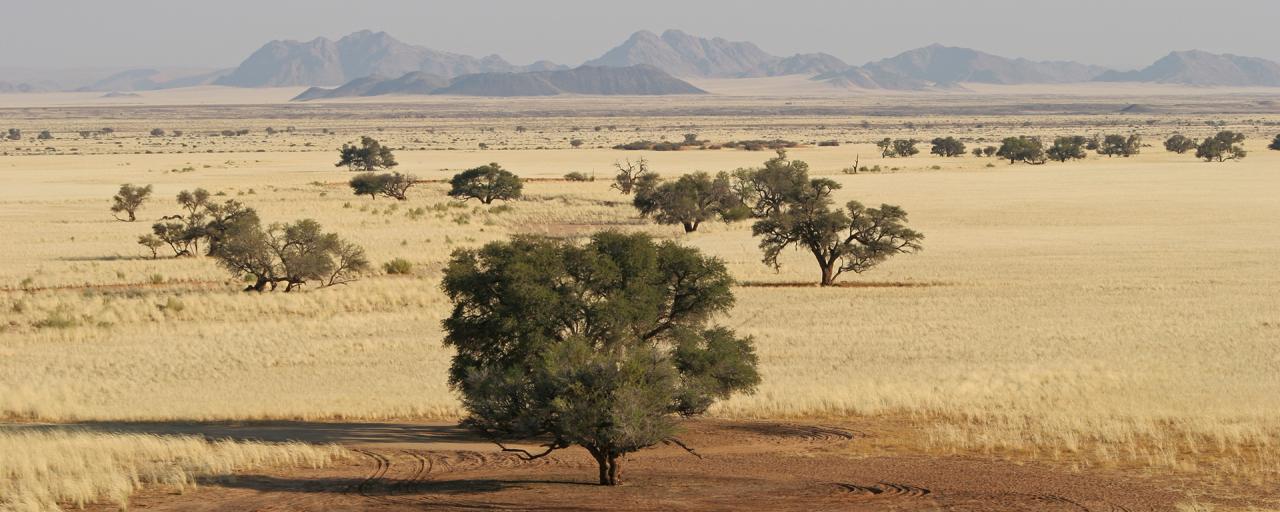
(600, 345)
(690, 200)
(793, 210)
(486, 183)
(369, 156)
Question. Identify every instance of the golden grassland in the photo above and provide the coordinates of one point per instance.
(43, 470)
(1111, 311)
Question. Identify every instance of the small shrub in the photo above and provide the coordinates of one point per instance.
(398, 267)
(578, 176)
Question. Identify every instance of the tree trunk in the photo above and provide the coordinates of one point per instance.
(690, 227)
(615, 470)
(828, 275)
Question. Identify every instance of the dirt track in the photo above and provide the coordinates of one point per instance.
(744, 465)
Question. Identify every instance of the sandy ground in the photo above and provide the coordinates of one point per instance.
(743, 464)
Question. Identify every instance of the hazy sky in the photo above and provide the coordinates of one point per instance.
(220, 33)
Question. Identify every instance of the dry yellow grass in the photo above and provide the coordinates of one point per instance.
(41, 471)
(1111, 311)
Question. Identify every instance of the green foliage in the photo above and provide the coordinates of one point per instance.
(1226, 145)
(1275, 144)
(689, 201)
(486, 183)
(795, 211)
(1113, 145)
(1067, 148)
(1022, 149)
(894, 148)
(393, 185)
(1180, 144)
(947, 147)
(128, 200)
(289, 253)
(578, 176)
(369, 156)
(602, 345)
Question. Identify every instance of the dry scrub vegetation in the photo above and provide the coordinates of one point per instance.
(41, 470)
(1118, 311)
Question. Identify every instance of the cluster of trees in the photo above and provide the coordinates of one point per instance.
(1225, 145)
(201, 222)
(790, 210)
(293, 254)
(369, 156)
(891, 148)
(393, 185)
(233, 234)
(947, 147)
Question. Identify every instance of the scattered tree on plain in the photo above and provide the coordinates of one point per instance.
(44, 135)
(128, 200)
(629, 175)
(487, 183)
(1119, 145)
(157, 132)
(293, 254)
(369, 156)
(795, 211)
(14, 134)
(1067, 148)
(1180, 144)
(690, 200)
(1226, 145)
(1022, 149)
(1275, 144)
(602, 345)
(201, 220)
(393, 185)
(947, 147)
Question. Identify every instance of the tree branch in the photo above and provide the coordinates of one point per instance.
(677, 442)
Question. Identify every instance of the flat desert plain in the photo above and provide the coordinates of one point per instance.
(1091, 335)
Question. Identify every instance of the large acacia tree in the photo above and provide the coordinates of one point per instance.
(795, 211)
(486, 183)
(601, 345)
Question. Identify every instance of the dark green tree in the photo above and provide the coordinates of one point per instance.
(1067, 148)
(1180, 144)
(905, 148)
(487, 183)
(1275, 144)
(1022, 149)
(948, 147)
(1226, 145)
(393, 185)
(602, 345)
(369, 156)
(1119, 145)
(690, 200)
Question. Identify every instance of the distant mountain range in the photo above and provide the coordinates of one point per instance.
(420, 70)
(594, 80)
(1203, 68)
(325, 62)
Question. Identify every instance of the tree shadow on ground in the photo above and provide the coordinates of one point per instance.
(277, 431)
